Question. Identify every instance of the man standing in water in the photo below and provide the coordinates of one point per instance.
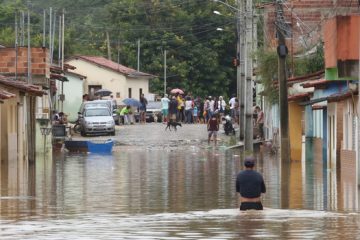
(250, 184)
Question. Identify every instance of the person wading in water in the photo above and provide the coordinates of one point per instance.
(250, 184)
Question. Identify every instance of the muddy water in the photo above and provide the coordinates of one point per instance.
(176, 188)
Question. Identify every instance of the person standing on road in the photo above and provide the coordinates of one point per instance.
(221, 105)
(213, 127)
(173, 109)
(188, 109)
(260, 122)
(232, 102)
(165, 107)
(142, 108)
(250, 184)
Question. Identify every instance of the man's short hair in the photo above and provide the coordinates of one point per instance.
(249, 161)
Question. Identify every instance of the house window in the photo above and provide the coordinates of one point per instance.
(118, 95)
(129, 92)
(286, 28)
(140, 92)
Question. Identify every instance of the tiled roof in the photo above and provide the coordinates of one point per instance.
(23, 86)
(308, 77)
(103, 62)
(336, 97)
(311, 76)
(298, 97)
(319, 83)
(76, 74)
(5, 94)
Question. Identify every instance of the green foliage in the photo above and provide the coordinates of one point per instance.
(268, 71)
(268, 68)
(199, 58)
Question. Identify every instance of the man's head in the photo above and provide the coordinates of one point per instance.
(249, 162)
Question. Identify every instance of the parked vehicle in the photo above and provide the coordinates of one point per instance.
(97, 120)
(153, 112)
(101, 103)
(228, 126)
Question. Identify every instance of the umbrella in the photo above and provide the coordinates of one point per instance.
(132, 102)
(103, 92)
(177, 90)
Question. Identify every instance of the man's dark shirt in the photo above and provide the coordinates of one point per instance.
(250, 184)
(173, 106)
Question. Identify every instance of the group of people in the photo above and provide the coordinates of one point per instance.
(58, 117)
(188, 109)
(126, 113)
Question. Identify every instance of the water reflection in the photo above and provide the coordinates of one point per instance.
(174, 193)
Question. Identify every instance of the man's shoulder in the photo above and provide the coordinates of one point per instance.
(249, 172)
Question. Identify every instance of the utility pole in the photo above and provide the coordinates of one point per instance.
(44, 28)
(29, 80)
(59, 47)
(138, 56)
(16, 45)
(283, 105)
(164, 72)
(63, 39)
(358, 118)
(282, 78)
(50, 23)
(241, 67)
(248, 75)
(53, 38)
(108, 45)
(118, 51)
(22, 41)
(62, 59)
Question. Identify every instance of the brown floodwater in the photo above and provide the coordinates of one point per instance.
(179, 191)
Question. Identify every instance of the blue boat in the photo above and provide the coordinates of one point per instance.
(100, 146)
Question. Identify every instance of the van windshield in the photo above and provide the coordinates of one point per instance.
(97, 112)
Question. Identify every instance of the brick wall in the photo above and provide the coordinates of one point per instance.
(39, 61)
(348, 165)
(306, 18)
(318, 151)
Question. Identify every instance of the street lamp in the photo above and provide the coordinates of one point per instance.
(217, 12)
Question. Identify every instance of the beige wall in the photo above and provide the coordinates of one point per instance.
(295, 130)
(108, 79)
(9, 127)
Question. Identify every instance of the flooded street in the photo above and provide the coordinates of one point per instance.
(159, 184)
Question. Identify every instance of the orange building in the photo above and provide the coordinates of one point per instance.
(341, 39)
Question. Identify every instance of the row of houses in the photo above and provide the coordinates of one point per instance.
(31, 90)
(323, 106)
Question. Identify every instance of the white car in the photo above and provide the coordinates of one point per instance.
(97, 120)
(100, 103)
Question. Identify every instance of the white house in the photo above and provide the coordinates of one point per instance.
(101, 73)
(73, 91)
